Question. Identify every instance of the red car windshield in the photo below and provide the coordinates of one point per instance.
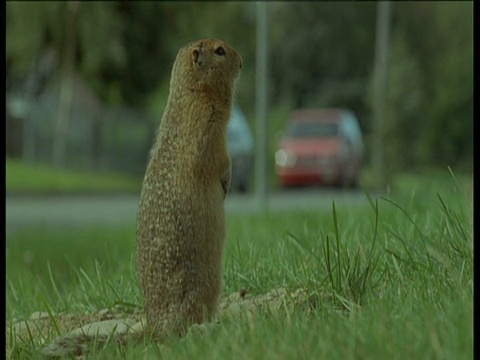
(313, 130)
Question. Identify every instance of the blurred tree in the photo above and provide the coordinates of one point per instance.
(31, 58)
(449, 132)
(322, 44)
(119, 50)
(321, 54)
(405, 101)
(70, 11)
(145, 32)
(439, 36)
(101, 47)
(29, 27)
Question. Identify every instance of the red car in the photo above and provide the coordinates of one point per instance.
(320, 147)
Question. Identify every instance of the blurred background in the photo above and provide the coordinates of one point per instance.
(86, 82)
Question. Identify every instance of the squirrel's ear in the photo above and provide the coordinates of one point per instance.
(197, 57)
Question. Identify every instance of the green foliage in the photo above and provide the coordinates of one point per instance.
(320, 45)
(103, 52)
(29, 25)
(320, 54)
(405, 94)
(452, 111)
(440, 38)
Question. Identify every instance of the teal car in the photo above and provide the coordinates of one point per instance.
(240, 148)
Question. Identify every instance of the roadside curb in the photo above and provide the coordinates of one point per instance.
(58, 194)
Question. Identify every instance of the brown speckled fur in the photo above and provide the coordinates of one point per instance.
(181, 218)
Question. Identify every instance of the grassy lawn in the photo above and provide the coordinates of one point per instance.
(395, 279)
(31, 178)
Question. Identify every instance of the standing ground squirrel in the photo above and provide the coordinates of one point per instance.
(181, 218)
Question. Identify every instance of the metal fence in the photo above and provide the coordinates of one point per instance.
(96, 137)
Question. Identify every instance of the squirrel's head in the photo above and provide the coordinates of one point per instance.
(210, 65)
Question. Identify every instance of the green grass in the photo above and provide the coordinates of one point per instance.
(397, 275)
(24, 177)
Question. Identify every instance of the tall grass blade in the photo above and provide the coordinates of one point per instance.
(453, 220)
(29, 332)
(369, 198)
(52, 281)
(301, 246)
(50, 314)
(457, 183)
(412, 261)
(328, 262)
(417, 228)
(337, 240)
(85, 275)
(375, 231)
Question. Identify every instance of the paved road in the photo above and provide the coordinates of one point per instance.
(86, 210)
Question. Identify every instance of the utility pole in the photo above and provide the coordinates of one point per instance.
(261, 106)
(380, 87)
(66, 87)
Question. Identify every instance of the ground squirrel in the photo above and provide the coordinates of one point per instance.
(181, 217)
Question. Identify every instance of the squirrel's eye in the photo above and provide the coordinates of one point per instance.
(220, 51)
